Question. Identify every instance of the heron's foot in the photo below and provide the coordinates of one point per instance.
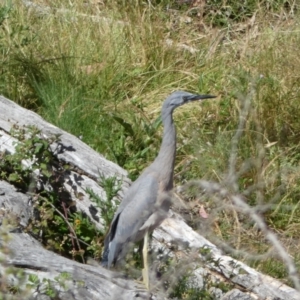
(141, 281)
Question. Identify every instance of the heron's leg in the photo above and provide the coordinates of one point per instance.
(145, 271)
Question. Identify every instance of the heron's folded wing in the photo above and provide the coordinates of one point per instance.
(137, 211)
(127, 222)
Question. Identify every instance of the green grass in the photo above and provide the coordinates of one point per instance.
(105, 80)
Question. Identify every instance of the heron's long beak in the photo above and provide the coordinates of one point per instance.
(198, 97)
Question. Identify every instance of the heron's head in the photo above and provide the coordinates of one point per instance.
(179, 98)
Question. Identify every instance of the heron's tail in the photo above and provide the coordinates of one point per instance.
(104, 261)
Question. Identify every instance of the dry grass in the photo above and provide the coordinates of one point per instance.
(83, 65)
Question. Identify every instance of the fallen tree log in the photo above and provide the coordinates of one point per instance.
(64, 278)
(45, 271)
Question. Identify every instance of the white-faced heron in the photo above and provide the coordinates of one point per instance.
(148, 199)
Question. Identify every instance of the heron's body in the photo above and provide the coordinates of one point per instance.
(147, 201)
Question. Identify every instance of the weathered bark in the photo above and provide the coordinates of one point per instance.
(22, 251)
(85, 281)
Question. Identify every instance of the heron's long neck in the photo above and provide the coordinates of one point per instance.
(166, 156)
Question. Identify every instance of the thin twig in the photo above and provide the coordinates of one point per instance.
(216, 188)
(69, 225)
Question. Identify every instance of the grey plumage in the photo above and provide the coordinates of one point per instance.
(147, 201)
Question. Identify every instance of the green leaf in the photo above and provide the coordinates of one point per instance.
(38, 148)
(33, 278)
(13, 177)
(43, 166)
(128, 128)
